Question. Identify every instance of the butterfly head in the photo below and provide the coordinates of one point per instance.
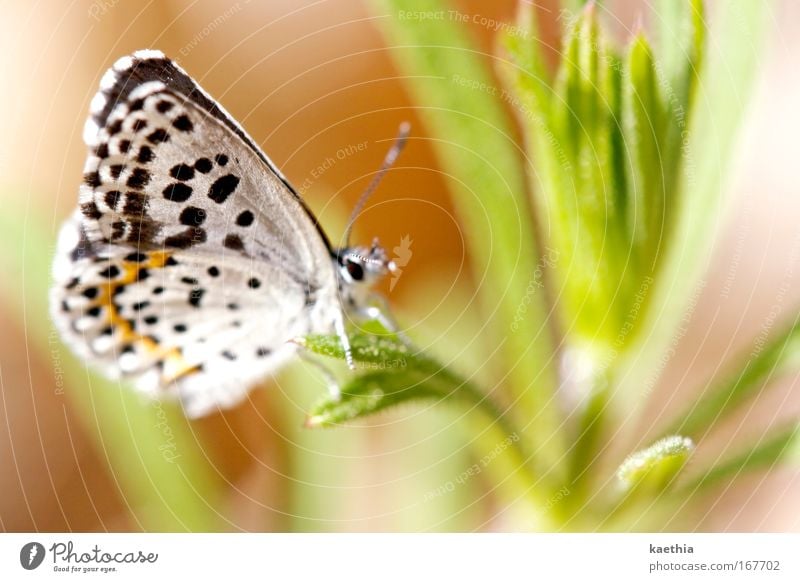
(364, 266)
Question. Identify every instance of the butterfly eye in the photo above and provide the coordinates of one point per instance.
(355, 271)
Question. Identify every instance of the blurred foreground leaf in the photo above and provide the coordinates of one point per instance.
(777, 446)
(644, 478)
(706, 135)
(766, 360)
(163, 476)
(473, 138)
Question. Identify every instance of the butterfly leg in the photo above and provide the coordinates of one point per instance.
(342, 333)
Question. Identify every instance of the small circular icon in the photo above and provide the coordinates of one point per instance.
(31, 555)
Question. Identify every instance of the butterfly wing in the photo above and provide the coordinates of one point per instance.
(190, 261)
(169, 168)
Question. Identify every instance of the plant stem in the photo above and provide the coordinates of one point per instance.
(494, 428)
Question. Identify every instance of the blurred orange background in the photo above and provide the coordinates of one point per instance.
(308, 80)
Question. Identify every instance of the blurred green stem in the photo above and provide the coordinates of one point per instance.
(478, 153)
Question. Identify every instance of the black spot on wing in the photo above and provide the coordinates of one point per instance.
(192, 216)
(92, 179)
(135, 204)
(110, 272)
(145, 154)
(158, 136)
(90, 210)
(141, 230)
(101, 151)
(195, 296)
(117, 230)
(144, 70)
(138, 125)
(233, 242)
(136, 258)
(187, 238)
(245, 218)
(203, 165)
(182, 172)
(115, 127)
(183, 123)
(177, 192)
(138, 179)
(112, 198)
(223, 187)
(116, 170)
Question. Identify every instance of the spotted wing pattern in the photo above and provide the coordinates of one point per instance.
(190, 261)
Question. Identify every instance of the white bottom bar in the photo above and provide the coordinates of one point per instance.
(401, 557)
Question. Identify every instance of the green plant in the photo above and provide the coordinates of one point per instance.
(623, 164)
(626, 152)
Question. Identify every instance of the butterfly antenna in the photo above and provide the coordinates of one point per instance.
(388, 161)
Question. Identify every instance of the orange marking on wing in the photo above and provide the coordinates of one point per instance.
(175, 366)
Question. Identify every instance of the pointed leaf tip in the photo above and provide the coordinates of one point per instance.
(655, 466)
(375, 392)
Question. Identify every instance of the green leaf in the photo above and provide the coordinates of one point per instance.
(643, 120)
(680, 58)
(779, 445)
(379, 348)
(576, 5)
(150, 448)
(463, 108)
(528, 55)
(765, 361)
(404, 376)
(376, 391)
(682, 32)
(707, 143)
(400, 374)
(643, 479)
(581, 207)
(583, 173)
(651, 470)
(589, 440)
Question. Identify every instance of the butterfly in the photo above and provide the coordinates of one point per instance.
(191, 263)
